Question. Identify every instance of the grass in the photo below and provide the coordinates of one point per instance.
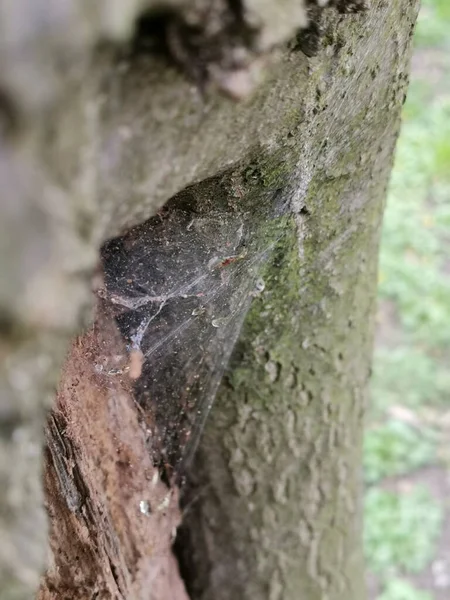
(410, 374)
(395, 448)
(399, 589)
(433, 22)
(402, 530)
(417, 221)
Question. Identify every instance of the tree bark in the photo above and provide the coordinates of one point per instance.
(276, 484)
(273, 507)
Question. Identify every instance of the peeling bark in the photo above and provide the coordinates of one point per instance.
(112, 518)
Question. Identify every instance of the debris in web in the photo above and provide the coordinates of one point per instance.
(181, 285)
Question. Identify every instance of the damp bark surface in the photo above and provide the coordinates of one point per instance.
(217, 261)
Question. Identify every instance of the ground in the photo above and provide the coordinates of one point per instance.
(407, 443)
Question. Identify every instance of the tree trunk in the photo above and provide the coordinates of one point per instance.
(276, 484)
(276, 205)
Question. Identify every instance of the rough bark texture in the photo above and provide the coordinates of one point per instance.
(278, 475)
(96, 137)
(112, 519)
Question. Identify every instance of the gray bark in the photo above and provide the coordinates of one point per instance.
(277, 480)
(94, 139)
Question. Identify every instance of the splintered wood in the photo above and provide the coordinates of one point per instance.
(112, 519)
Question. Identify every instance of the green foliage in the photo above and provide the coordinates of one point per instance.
(395, 448)
(400, 530)
(434, 19)
(413, 250)
(419, 93)
(399, 589)
(408, 376)
(442, 158)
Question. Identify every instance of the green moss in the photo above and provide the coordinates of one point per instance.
(270, 171)
(267, 317)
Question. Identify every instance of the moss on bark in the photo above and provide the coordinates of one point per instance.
(112, 140)
(277, 481)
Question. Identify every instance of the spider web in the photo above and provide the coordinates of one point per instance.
(182, 284)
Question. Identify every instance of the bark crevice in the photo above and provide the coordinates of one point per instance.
(302, 166)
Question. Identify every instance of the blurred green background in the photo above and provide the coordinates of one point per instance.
(407, 442)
